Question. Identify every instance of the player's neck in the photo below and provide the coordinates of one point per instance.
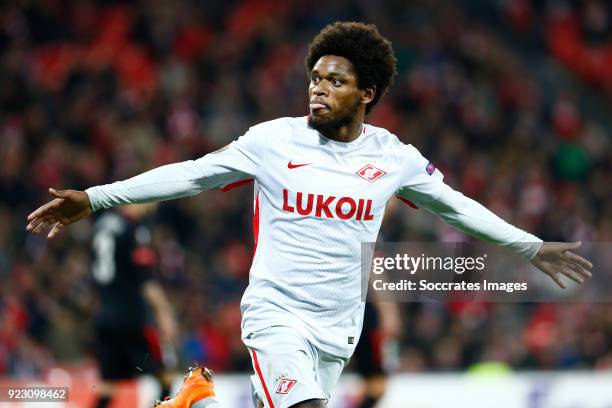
(346, 133)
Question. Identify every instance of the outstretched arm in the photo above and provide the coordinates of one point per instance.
(235, 162)
(163, 183)
(424, 187)
(467, 215)
(471, 217)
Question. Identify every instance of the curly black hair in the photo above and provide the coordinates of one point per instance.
(370, 53)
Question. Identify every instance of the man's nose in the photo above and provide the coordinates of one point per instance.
(320, 89)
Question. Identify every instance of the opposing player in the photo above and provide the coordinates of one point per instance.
(381, 329)
(131, 303)
(321, 185)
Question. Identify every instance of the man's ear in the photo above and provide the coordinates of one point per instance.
(368, 94)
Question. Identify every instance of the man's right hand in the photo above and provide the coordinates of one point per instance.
(68, 207)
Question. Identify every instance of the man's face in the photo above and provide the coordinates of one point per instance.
(333, 91)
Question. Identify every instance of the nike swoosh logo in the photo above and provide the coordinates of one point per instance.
(295, 166)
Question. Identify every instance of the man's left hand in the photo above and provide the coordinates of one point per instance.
(556, 258)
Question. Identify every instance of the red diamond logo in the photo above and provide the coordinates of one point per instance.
(285, 386)
(370, 173)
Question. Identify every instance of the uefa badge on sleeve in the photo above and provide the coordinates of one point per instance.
(430, 168)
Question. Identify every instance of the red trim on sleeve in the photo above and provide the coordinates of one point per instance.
(407, 201)
(236, 184)
(260, 375)
(256, 224)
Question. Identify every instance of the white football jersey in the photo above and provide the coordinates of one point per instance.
(315, 201)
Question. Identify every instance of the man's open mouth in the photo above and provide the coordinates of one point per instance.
(318, 106)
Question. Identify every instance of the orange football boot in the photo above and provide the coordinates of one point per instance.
(197, 385)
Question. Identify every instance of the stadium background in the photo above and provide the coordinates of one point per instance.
(510, 99)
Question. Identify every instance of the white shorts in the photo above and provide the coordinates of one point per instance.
(289, 369)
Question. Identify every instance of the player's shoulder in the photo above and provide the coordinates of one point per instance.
(280, 124)
(277, 130)
(390, 144)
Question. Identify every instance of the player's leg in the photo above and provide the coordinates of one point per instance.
(374, 389)
(105, 392)
(109, 358)
(164, 378)
(329, 369)
(285, 369)
(146, 354)
(368, 359)
(369, 366)
(257, 403)
(141, 357)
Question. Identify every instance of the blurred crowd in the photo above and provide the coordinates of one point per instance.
(493, 92)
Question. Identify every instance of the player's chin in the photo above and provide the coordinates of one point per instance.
(317, 122)
(320, 116)
(320, 112)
